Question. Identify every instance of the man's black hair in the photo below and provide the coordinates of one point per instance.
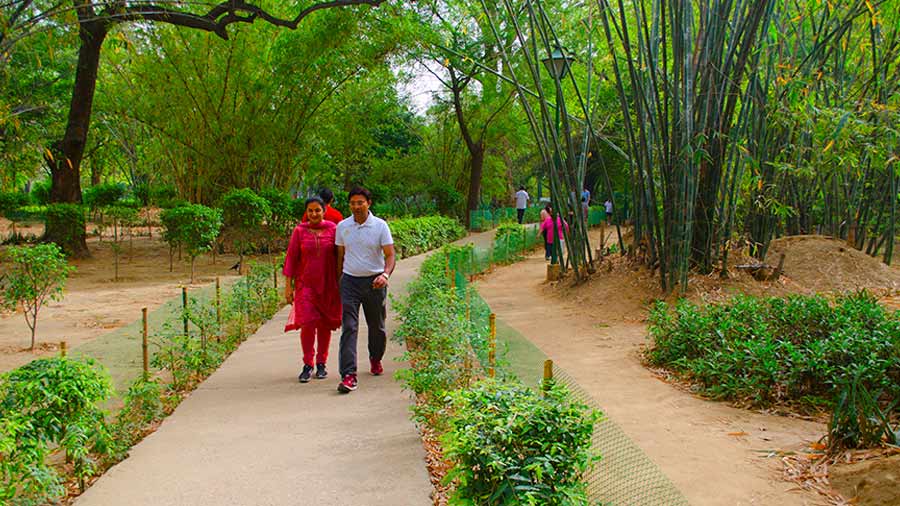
(521, 187)
(359, 190)
(327, 195)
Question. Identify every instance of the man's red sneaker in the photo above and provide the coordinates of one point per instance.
(348, 384)
(377, 369)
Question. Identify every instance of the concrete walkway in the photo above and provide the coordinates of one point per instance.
(252, 435)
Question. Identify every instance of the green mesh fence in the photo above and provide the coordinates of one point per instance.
(624, 476)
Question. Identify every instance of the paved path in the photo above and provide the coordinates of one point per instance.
(252, 435)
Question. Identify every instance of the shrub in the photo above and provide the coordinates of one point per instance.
(194, 227)
(413, 236)
(10, 201)
(67, 219)
(40, 193)
(35, 275)
(797, 349)
(507, 444)
(45, 403)
(510, 445)
(103, 195)
(244, 213)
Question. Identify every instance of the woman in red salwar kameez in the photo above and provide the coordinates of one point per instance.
(310, 267)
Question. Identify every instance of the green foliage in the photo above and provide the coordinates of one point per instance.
(103, 195)
(764, 351)
(507, 444)
(67, 217)
(27, 214)
(35, 274)
(281, 218)
(40, 193)
(121, 216)
(858, 421)
(413, 236)
(142, 407)
(244, 213)
(9, 201)
(511, 445)
(194, 226)
(46, 403)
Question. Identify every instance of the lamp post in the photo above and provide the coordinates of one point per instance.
(557, 65)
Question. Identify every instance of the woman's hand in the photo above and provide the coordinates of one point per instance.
(289, 292)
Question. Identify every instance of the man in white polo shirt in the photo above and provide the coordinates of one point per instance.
(365, 251)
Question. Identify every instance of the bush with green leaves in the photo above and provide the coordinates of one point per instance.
(511, 445)
(413, 236)
(40, 193)
(10, 201)
(793, 350)
(193, 227)
(280, 220)
(507, 444)
(103, 195)
(34, 275)
(67, 219)
(244, 213)
(46, 404)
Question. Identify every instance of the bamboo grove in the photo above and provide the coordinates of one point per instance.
(753, 119)
(744, 120)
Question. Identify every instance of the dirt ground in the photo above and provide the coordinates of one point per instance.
(714, 453)
(94, 304)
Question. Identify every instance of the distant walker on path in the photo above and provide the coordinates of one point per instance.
(365, 261)
(522, 199)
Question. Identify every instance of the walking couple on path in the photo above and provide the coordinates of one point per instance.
(334, 265)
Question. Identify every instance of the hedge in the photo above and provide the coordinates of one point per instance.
(413, 236)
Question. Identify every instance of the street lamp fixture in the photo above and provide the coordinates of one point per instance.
(557, 64)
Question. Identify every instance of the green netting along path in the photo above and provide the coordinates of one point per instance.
(625, 475)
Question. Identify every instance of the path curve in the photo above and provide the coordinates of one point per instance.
(715, 454)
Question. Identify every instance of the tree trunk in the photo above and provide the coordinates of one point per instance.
(65, 162)
(476, 148)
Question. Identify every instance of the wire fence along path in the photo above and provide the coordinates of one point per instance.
(625, 475)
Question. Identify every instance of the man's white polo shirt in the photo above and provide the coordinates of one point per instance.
(363, 243)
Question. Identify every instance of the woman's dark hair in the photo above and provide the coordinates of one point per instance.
(326, 194)
(359, 190)
(317, 200)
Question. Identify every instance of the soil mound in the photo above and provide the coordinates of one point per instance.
(869, 483)
(816, 263)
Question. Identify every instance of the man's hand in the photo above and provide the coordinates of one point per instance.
(380, 281)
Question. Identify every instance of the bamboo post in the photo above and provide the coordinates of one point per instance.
(144, 350)
(468, 305)
(492, 345)
(218, 302)
(275, 275)
(548, 374)
(63, 349)
(184, 309)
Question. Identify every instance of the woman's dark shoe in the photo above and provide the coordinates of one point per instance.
(321, 373)
(305, 374)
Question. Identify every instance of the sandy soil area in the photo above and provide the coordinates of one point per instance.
(714, 453)
(95, 304)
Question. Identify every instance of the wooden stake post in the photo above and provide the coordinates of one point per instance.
(548, 374)
(144, 350)
(218, 302)
(184, 309)
(492, 345)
